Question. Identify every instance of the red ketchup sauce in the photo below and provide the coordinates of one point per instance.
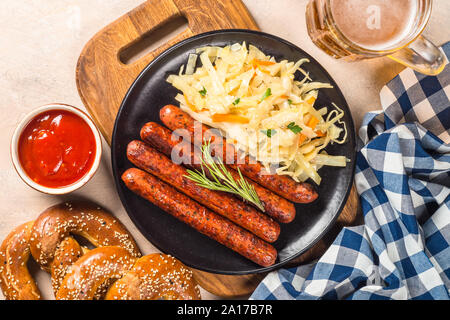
(57, 148)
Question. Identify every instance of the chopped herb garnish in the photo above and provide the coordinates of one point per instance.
(203, 92)
(269, 132)
(289, 101)
(266, 94)
(237, 101)
(294, 128)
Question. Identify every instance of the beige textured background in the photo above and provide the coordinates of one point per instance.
(39, 46)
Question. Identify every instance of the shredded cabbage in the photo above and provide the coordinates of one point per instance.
(256, 102)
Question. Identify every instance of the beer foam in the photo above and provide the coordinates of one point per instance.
(375, 24)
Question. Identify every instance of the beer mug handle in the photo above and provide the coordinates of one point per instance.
(422, 56)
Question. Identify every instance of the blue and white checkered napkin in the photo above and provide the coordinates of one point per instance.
(403, 179)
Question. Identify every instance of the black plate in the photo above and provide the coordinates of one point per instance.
(150, 92)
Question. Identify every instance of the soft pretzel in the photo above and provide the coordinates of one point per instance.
(155, 276)
(79, 273)
(49, 238)
(113, 270)
(66, 254)
(89, 277)
(15, 279)
(82, 218)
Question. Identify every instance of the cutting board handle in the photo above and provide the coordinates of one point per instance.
(138, 23)
(103, 80)
(153, 14)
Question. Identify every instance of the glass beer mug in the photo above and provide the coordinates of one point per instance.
(361, 29)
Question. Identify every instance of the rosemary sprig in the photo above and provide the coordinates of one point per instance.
(222, 179)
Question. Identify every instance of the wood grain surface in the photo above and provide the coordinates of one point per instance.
(103, 80)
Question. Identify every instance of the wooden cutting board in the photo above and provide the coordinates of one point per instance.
(103, 80)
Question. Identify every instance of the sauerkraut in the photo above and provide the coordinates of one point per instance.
(258, 103)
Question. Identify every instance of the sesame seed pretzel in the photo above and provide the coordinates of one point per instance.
(155, 276)
(66, 254)
(15, 279)
(113, 270)
(81, 218)
(49, 240)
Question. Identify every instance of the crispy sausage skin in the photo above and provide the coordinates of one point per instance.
(246, 216)
(200, 218)
(161, 138)
(174, 118)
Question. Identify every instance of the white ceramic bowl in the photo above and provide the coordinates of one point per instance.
(15, 144)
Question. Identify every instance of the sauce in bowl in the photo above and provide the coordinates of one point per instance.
(57, 148)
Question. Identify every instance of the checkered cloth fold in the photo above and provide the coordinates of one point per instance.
(403, 179)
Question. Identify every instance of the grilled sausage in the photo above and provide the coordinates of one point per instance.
(200, 218)
(174, 118)
(161, 138)
(154, 162)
